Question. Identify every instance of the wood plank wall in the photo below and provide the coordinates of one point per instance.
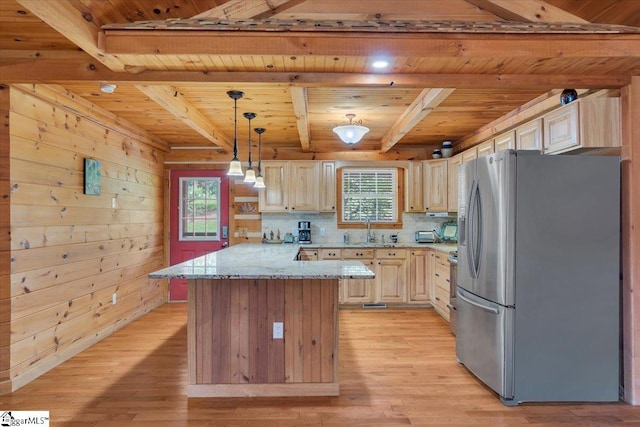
(5, 241)
(70, 252)
(233, 331)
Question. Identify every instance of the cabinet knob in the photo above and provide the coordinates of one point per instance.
(437, 275)
(437, 298)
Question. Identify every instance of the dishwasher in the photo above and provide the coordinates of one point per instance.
(453, 282)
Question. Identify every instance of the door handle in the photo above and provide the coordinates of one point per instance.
(477, 304)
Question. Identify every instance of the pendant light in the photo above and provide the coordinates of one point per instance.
(250, 176)
(352, 132)
(259, 179)
(235, 167)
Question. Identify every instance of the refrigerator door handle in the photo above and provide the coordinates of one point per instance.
(470, 229)
(477, 304)
(478, 238)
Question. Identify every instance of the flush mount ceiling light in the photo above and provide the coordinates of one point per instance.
(259, 179)
(107, 87)
(380, 63)
(235, 167)
(351, 133)
(250, 176)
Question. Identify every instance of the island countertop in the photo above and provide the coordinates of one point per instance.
(262, 261)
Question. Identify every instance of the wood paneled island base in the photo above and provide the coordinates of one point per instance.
(232, 352)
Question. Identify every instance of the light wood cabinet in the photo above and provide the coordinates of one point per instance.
(505, 141)
(329, 254)
(308, 255)
(304, 182)
(420, 275)
(359, 290)
(441, 278)
(290, 186)
(328, 187)
(391, 275)
(453, 182)
(470, 154)
(435, 185)
(414, 187)
(275, 197)
(587, 123)
(529, 136)
(485, 148)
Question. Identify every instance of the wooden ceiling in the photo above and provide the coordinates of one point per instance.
(455, 66)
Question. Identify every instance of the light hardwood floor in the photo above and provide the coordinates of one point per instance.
(397, 367)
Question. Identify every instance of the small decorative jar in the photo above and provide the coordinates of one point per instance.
(567, 96)
(437, 153)
(447, 149)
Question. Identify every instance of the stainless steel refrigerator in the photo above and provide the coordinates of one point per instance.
(538, 275)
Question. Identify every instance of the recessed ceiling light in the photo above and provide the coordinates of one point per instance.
(380, 63)
(107, 87)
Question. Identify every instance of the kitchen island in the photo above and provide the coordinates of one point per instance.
(261, 323)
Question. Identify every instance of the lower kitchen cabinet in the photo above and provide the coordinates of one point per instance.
(391, 275)
(420, 275)
(308, 255)
(358, 291)
(441, 279)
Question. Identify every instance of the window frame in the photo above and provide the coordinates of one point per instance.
(181, 218)
(399, 193)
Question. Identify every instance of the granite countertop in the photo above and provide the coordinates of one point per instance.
(442, 247)
(262, 261)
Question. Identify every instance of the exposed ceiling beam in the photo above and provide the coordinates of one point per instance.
(244, 9)
(77, 23)
(420, 108)
(299, 100)
(80, 67)
(163, 42)
(528, 11)
(174, 102)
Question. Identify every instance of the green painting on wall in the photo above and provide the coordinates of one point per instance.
(91, 177)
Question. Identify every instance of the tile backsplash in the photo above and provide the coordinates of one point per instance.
(324, 228)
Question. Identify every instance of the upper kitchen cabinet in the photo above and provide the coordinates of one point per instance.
(505, 141)
(470, 154)
(290, 186)
(485, 148)
(587, 123)
(435, 187)
(529, 135)
(452, 185)
(275, 197)
(414, 187)
(328, 187)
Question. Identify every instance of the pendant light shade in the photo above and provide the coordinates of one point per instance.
(259, 178)
(351, 133)
(235, 167)
(250, 176)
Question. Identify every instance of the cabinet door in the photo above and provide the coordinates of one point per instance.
(436, 185)
(358, 290)
(308, 255)
(442, 284)
(304, 194)
(391, 275)
(419, 275)
(485, 148)
(506, 141)
(328, 187)
(529, 136)
(453, 184)
(275, 197)
(561, 129)
(414, 187)
(470, 154)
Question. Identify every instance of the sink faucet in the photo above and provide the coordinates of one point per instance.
(370, 236)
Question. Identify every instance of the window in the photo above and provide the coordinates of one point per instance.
(369, 194)
(199, 208)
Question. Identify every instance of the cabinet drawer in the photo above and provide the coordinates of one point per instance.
(391, 253)
(357, 253)
(329, 254)
(441, 302)
(442, 277)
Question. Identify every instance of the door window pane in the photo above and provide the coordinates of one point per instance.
(199, 208)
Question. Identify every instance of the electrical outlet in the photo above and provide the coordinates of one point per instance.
(114, 298)
(278, 330)
(322, 231)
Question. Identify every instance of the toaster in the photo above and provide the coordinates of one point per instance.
(425, 237)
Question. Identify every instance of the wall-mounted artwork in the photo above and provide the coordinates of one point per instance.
(91, 177)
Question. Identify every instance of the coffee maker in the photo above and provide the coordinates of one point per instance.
(304, 232)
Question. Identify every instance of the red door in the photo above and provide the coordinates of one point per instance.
(199, 219)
